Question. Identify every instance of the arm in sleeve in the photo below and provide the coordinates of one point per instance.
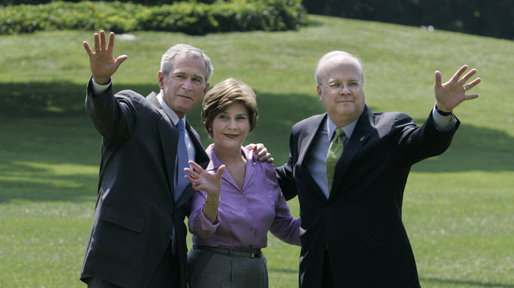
(285, 175)
(98, 89)
(443, 123)
(113, 116)
(285, 227)
(418, 143)
(199, 224)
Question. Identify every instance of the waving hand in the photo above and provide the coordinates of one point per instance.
(450, 94)
(101, 61)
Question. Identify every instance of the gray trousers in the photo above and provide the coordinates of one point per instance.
(207, 269)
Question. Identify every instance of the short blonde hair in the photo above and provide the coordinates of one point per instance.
(224, 94)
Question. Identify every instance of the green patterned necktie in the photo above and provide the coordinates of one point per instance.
(334, 153)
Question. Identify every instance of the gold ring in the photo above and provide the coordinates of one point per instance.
(465, 88)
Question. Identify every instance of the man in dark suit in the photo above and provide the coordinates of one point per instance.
(354, 235)
(138, 233)
(138, 237)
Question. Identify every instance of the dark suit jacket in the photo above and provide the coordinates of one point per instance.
(360, 225)
(135, 211)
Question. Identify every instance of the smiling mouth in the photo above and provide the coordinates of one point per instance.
(232, 136)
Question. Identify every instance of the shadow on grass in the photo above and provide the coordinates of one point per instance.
(49, 188)
(466, 283)
(44, 99)
(473, 148)
(53, 159)
(44, 123)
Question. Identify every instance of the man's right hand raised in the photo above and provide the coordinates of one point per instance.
(101, 61)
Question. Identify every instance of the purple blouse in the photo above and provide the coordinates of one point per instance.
(244, 216)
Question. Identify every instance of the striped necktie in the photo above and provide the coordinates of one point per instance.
(335, 150)
(182, 159)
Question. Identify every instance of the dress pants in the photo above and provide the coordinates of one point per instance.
(99, 283)
(213, 270)
(328, 280)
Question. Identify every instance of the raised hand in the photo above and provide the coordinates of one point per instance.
(101, 61)
(450, 94)
(203, 180)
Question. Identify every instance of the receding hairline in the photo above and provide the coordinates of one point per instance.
(343, 55)
(185, 50)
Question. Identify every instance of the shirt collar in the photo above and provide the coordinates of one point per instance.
(215, 162)
(348, 129)
(173, 116)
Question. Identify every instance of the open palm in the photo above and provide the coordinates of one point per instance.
(101, 61)
(451, 93)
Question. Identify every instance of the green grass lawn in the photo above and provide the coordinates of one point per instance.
(458, 207)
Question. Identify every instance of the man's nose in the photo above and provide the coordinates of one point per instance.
(188, 84)
(345, 89)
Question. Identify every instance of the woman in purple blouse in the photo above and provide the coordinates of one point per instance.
(237, 199)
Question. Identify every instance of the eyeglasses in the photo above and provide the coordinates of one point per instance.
(338, 86)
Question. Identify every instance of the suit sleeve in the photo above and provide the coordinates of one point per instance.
(423, 142)
(285, 175)
(113, 116)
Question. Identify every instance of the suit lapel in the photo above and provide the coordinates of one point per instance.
(168, 137)
(305, 142)
(201, 158)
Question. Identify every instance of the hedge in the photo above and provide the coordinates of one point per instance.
(144, 2)
(187, 17)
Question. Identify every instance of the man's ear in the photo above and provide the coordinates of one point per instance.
(318, 90)
(160, 76)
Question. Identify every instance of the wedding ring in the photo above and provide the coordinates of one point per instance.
(465, 88)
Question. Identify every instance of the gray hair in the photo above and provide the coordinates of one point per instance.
(169, 56)
(333, 54)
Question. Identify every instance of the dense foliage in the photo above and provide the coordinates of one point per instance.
(144, 2)
(187, 17)
(489, 18)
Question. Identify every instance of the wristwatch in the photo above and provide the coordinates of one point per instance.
(442, 112)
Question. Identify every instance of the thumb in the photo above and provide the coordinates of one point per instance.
(220, 171)
(438, 77)
(120, 60)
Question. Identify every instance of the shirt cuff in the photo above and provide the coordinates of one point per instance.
(443, 123)
(206, 222)
(99, 88)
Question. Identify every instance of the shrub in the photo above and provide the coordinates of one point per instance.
(187, 17)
